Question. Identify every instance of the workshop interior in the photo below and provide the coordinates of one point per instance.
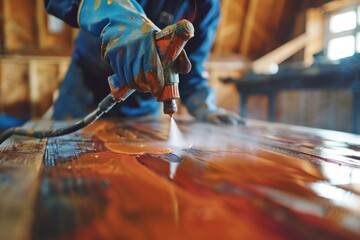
(281, 41)
(287, 71)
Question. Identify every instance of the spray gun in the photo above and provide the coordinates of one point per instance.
(170, 41)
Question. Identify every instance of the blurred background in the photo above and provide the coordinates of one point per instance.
(255, 38)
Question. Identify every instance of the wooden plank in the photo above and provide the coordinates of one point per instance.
(125, 173)
(19, 27)
(14, 87)
(53, 33)
(20, 164)
(232, 63)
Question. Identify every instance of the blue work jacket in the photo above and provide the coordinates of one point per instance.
(85, 83)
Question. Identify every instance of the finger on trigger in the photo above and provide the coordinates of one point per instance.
(182, 63)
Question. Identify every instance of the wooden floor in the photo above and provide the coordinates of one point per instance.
(127, 180)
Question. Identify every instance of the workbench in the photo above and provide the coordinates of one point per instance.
(123, 179)
(341, 74)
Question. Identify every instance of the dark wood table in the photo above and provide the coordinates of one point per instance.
(343, 74)
(122, 179)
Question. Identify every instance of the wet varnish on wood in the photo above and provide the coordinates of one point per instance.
(122, 180)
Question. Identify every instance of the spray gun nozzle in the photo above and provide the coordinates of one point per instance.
(170, 107)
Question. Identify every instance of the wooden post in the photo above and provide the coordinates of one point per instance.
(43, 77)
(315, 34)
(280, 54)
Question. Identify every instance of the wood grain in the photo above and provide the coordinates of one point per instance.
(257, 181)
(20, 164)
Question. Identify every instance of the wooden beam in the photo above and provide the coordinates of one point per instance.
(20, 165)
(228, 62)
(280, 54)
(315, 33)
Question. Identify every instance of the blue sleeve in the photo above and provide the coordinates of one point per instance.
(198, 48)
(67, 10)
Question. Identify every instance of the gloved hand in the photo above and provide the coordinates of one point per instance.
(128, 44)
(201, 104)
(222, 116)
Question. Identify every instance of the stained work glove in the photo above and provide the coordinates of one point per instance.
(201, 104)
(128, 44)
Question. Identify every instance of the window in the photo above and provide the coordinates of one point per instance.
(343, 33)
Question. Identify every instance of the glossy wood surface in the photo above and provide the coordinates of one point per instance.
(124, 180)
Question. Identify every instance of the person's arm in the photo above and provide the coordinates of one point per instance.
(196, 94)
(128, 41)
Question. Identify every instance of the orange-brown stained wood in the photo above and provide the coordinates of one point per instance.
(20, 167)
(259, 181)
(19, 28)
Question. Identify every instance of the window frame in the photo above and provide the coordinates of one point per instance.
(328, 35)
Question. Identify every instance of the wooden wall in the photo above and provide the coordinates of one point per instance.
(264, 25)
(19, 27)
(248, 30)
(28, 84)
(34, 57)
(331, 109)
(14, 88)
(252, 28)
(26, 30)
